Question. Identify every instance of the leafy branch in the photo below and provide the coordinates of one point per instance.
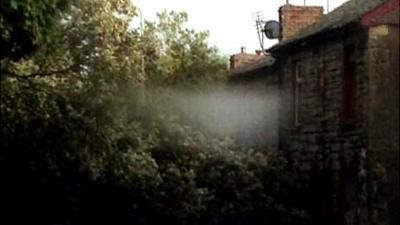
(37, 74)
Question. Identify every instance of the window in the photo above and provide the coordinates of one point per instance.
(349, 86)
(296, 92)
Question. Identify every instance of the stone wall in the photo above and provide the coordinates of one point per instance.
(320, 145)
(383, 123)
(352, 166)
(294, 18)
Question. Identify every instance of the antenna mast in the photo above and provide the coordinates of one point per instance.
(327, 6)
(260, 27)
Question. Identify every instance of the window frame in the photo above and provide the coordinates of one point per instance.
(297, 80)
(348, 113)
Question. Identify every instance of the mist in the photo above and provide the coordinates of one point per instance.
(248, 117)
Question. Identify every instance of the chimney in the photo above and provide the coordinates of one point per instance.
(294, 18)
(243, 58)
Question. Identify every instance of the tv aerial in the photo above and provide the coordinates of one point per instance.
(269, 29)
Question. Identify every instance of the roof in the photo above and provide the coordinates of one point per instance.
(347, 13)
(268, 60)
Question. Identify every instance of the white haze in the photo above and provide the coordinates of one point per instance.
(249, 117)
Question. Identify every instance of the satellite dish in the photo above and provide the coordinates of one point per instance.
(272, 29)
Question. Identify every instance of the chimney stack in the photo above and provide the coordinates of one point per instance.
(294, 18)
(243, 58)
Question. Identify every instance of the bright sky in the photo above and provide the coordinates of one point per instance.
(230, 22)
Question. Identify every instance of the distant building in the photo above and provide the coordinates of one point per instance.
(251, 80)
(337, 77)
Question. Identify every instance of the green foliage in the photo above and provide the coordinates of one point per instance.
(183, 55)
(83, 141)
(26, 24)
(84, 164)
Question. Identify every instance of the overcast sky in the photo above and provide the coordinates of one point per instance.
(230, 22)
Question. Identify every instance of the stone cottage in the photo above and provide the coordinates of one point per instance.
(338, 82)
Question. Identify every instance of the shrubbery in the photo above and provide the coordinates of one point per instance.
(66, 163)
(82, 142)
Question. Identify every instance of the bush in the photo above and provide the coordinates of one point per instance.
(81, 142)
(67, 160)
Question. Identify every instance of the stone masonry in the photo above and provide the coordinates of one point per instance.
(356, 158)
(338, 84)
(320, 140)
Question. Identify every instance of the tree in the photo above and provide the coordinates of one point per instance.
(74, 149)
(25, 25)
(183, 55)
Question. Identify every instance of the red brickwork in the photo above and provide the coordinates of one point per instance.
(294, 18)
